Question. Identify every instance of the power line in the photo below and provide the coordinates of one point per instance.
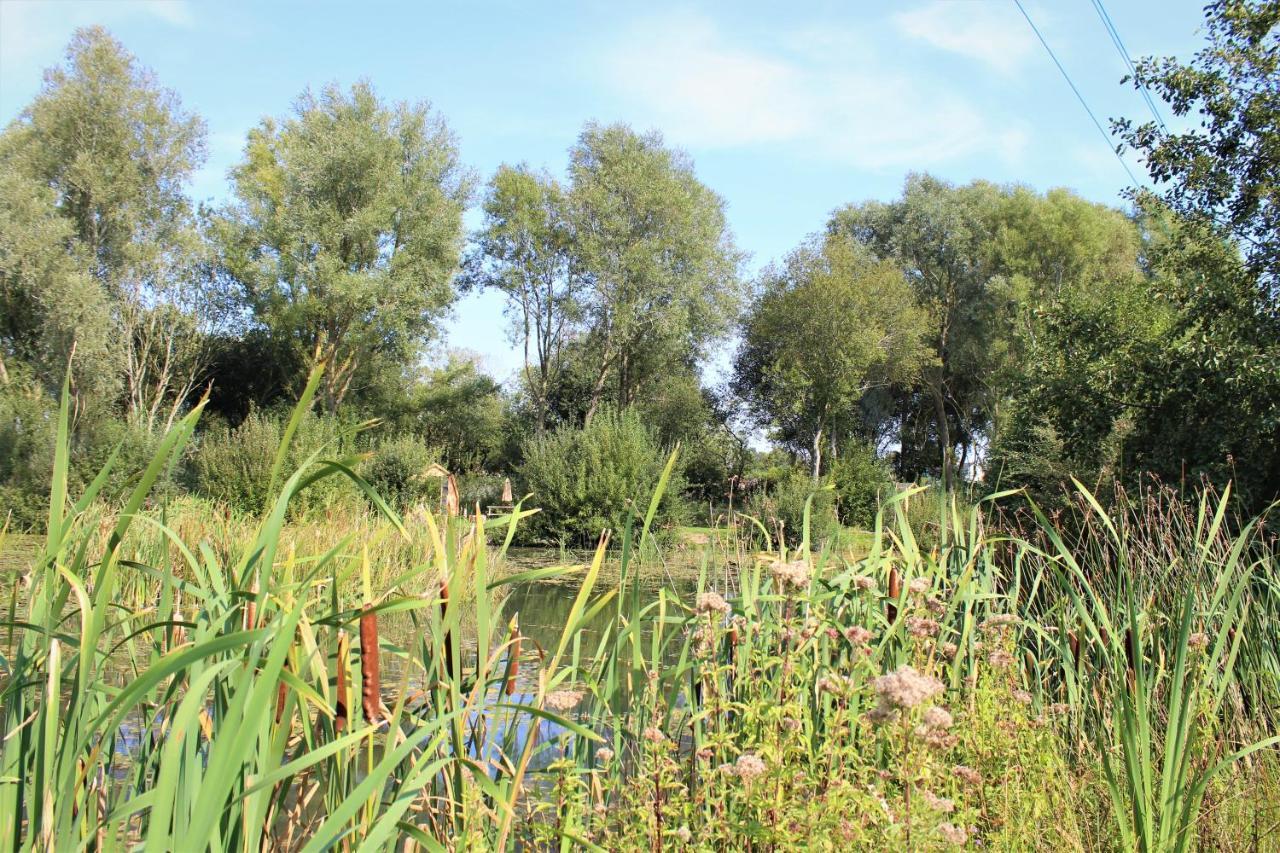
(1105, 136)
(1128, 61)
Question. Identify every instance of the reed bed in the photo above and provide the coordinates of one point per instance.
(1115, 687)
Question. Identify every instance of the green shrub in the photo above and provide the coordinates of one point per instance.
(585, 480)
(27, 433)
(784, 501)
(862, 481)
(233, 465)
(395, 468)
(28, 430)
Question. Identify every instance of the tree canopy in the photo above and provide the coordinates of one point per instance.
(347, 229)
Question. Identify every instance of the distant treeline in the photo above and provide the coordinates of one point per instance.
(957, 334)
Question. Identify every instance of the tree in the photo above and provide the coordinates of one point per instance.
(828, 327)
(347, 229)
(1171, 372)
(982, 260)
(941, 237)
(1222, 169)
(459, 409)
(107, 151)
(49, 304)
(524, 250)
(656, 255)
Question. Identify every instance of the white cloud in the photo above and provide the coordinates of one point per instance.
(827, 91)
(994, 34)
(34, 32)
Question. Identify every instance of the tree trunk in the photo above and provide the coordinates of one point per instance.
(944, 436)
(817, 455)
(597, 390)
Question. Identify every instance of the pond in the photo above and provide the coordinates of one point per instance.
(542, 607)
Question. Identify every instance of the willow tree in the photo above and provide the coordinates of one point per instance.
(658, 263)
(99, 247)
(525, 250)
(829, 326)
(347, 229)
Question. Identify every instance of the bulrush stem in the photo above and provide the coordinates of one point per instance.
(370, 684)
(281, 693)
(251, 606)
(906, 775)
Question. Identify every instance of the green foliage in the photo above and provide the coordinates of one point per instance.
(862, 481)
(998, 688)
(376, 193)
(461, 411)
(525, 250)
(782, 503)
(233, 465)
(829, 327)
(587, 480)
(28, 436)
(678, 409)
(395, 469)
(1219, 167)
(99, 247)
(982, 261)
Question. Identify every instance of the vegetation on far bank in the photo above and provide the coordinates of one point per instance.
(956, 334)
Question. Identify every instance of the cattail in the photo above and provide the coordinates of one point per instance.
(895, 592)
(251, 606)
(340, 708)
(513, 655)
(282, 693)
(370, 689)
(101, 788)
(1074, 643)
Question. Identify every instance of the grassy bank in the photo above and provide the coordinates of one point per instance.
(1108, 684)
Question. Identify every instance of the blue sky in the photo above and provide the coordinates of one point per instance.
(788, 110)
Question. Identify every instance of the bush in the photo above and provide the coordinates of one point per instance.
(862, 481)
(585, 480)
(28, 431)
(234, 465)
(395, 470)
(784, 502)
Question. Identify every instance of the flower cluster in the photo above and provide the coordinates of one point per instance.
(795, 573)
(748, 767)
(1000, 659)
(919, 627)
(900, 690)
(713, 602)
(919, 586)
(935, 729)
(906, 688)
(1000, 620)
(953, 834)
(858, 635)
